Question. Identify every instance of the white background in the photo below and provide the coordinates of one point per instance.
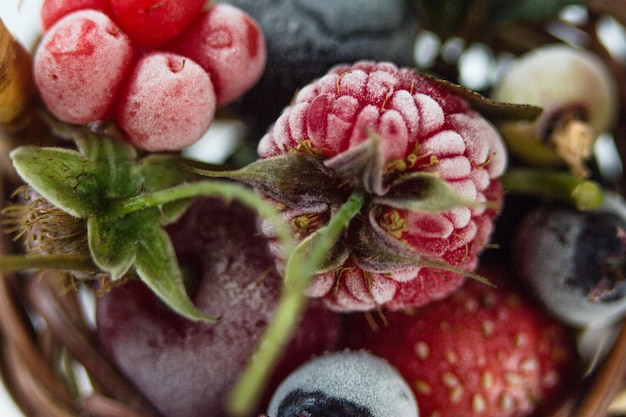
(22, 19)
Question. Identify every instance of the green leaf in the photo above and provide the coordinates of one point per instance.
(113, 160)
(61, 176)
(492, 109)
(424, 191)
(158, 268)
(113, 241)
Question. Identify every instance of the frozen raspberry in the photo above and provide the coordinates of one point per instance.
(422, 127)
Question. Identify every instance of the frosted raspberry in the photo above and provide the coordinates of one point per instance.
(422, 127)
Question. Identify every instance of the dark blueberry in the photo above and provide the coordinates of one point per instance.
(306, 37)
(317, 404)
(575, 261)
(344, 384)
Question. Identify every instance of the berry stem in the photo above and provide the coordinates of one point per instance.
(585, 194)
(301, 265)
(16, 263)
(226, 190)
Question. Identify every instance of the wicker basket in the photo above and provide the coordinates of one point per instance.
(53, 366)
(50, 353)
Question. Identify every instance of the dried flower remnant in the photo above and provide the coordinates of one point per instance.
(579, 97)
(44, 228)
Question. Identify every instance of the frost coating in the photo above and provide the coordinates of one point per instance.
(422, 128)
(357, 379)
(65, 61)
(168, 104)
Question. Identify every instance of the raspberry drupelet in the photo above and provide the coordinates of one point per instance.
(421, 127)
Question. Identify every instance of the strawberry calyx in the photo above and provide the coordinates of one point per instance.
(120, 204)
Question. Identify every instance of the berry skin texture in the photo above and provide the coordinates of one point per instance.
(152, 23)
(422, 127)
(229, 45)
(344, 384)
(581, 282)
(53, 10)
(185, 368)
(64, 66)
(168, 104)
(480, 352)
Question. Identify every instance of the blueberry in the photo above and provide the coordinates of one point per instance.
(344, 384)
(306, 37)
(575, 261)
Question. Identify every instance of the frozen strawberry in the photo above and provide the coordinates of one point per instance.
(480, 352)
(403, 139)
(188, 368)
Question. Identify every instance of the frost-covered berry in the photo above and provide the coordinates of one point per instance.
(53, 10)
(579, 96)
(305, 38)
(229, 45)
(574, 260)
(153, 23)
(168, 103)
(80, 65)
(344, 384)
(403, 136)
(481, 352)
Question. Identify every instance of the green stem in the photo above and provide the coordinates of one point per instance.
(16, 263)
(223, 189)
(300, 267)
(584, 194)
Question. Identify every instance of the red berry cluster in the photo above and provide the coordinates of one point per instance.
(158, 68)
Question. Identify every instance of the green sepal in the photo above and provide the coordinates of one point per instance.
(424, 191)
(362, 165)
(494, 110)
(92, 182)
(113, 160)
(64, 177)
(376, 250)
(157, 267)
(113, 241)
(336, 256)
(293, 179)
